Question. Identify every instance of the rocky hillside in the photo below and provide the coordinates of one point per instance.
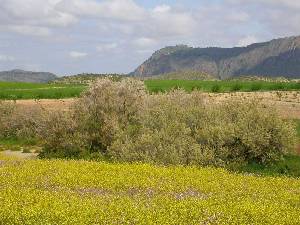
(183, 75)
(26, 76)
(276, 58)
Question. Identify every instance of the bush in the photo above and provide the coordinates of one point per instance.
(174, 129)
(91, 124)
(18, 122)
(119, 120)
(161, 136)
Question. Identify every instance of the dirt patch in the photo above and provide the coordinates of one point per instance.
(286, 102)
(19, 154)
(137, 191)
(92, 191)
(190, 193)
(2, 163)
(52, 104)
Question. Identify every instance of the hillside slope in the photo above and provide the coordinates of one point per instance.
(26, 76)
(279, 57)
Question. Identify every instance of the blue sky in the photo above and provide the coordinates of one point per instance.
(73, 36)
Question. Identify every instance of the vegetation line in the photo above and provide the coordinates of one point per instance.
(14, 91)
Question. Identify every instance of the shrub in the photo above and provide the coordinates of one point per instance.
(246, 131)
(121, 121)
(18, 122)
(162, 134)
(174, 129)
(91, 124)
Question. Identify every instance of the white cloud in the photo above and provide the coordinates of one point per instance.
(280, 3)
(145, 42)
(6, 58)
(164, 21)
(114, 9)
(239, 16)
(30, 30)
(247, 41)
(77, 55)
(277, 17)
(162, 9)
(34, 12)
(105, 47)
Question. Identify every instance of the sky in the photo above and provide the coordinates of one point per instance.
(115, 36)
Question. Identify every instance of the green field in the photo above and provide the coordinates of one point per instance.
(220, 86)
(80, 192)
(57, 91)
(11, 91)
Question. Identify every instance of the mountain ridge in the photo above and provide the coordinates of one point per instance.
(278, 57)
(18, 75)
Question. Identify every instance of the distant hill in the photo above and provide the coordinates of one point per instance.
(276, 58)
(26, 76)
(86, 78)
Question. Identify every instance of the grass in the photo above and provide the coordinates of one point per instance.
(220, 86)
(80, 192)
(298, 128)
(14, 144)
(289, 166)
(14, 91)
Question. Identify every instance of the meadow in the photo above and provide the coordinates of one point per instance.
(81, 192)
(220, 86)
(13, 91)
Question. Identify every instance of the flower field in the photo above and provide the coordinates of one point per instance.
(81, 192)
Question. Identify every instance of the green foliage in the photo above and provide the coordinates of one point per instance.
(156, 86)
(14, 91)
(73, 88)
(215, 88)
(79, 192)
(290, 166)
(236, 87)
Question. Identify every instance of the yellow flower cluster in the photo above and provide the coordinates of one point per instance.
(81, 192)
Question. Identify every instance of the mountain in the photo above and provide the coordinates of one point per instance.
(276, 58)
(26, 76)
